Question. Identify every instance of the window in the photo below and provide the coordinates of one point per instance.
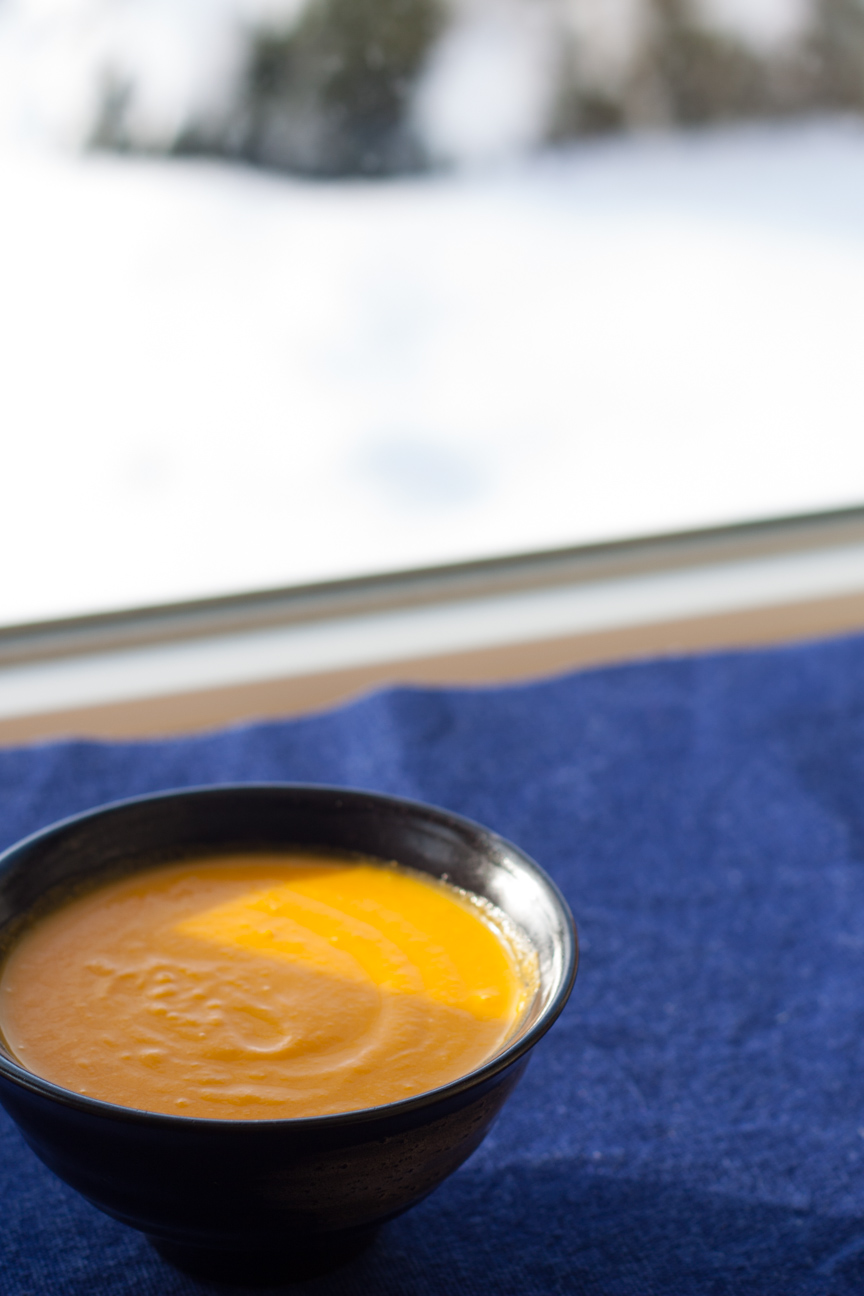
(505, 280)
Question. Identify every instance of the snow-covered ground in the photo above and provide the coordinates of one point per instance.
(216, 380)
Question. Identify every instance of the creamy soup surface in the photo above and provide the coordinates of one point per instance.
(264, 986)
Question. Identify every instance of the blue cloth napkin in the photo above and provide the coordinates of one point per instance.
(694, 1124)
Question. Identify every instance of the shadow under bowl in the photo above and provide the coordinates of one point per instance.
(238, 1198)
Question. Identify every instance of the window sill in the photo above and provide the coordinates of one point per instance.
(285, 652)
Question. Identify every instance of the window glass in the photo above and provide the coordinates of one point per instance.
(293, 290)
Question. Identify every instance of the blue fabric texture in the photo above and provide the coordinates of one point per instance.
(694, 1123)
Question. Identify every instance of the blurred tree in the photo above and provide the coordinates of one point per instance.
(331, 95)
(836, 49)
(685, 70)
(705, 74)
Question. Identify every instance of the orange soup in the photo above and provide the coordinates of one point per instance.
(264, 986)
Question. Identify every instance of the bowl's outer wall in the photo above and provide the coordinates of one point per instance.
(239, 1184)
(220, 1182)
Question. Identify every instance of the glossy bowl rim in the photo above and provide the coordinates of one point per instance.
(15, 1072)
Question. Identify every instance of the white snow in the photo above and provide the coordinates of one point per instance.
(214, 380)
(488, 89)
(764, 24)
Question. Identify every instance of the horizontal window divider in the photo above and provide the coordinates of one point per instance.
(338, 600)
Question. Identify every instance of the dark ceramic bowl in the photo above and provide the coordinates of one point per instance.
(213, 1194)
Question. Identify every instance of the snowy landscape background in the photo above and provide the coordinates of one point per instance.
(295, 291)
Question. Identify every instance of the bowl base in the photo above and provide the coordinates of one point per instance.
(258, 1267)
